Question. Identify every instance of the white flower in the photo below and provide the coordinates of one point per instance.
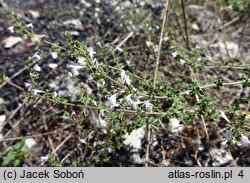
(26, 85)
(165, 39)
(182, 61)
(112, 101)
(90, 78)
(65, 117)
(129, 100)
(44, 158)
(11, 29)
(230, 7)
(156, 48)
(197, 47)
(229, 135)
(55, 94)
(81, 61)
(119, 49)
(74, 69)
(99, 44)
(94, 102)
(223, 115)
(244, 141)
(74, 73)
(174, 54)
(36, 56)
(37, 68)
(30, 25)
(223, 143)
(91, 52)
(37, 91)
(137, 98)
(149, 44)
(125, 78)
(148, 105)
(54, 55)
(135, 104)
(73, 114)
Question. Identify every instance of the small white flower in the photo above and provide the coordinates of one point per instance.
(37, 68)
(32, 75)
(54, 55)
(174, 54)
(165, 39)
(148, 105)
(74, 73)
(197, 47)
(244, 141)
(11, 29)
(73, 114)
(26, 84)
(30, 25)
(137, 98)
(223, 115)
(182, 61)
(82, 61)
(125, 78)
(135, 105)
(44, 158)
(129, 100)
(91, 52)
(156, 48)
(230, 7)
(94, 102)
(55, 94)
(119, 49)
(37, 91)
(149, 44)
(223, 143)
(90, 78)
(82, 141)
(112, 101)
(229, 135)
(99, 44)
(36, 56)
(65, 117)
(76, 66)
(74, 69)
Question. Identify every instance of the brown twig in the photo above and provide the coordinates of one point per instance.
(160, 41)
(185, 23)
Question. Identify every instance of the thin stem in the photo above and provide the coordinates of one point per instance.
(185, 23)
(160, 42)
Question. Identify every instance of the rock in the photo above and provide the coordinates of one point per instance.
(174, 125)
(221, 157)
(11, 41)
(134, 138)
(30, 142)
(75, 22)
(2, 122)
(35, 14)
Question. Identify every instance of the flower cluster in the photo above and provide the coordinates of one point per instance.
(132, 101)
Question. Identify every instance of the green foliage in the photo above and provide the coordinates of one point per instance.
(15, 155)
(239, 5)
